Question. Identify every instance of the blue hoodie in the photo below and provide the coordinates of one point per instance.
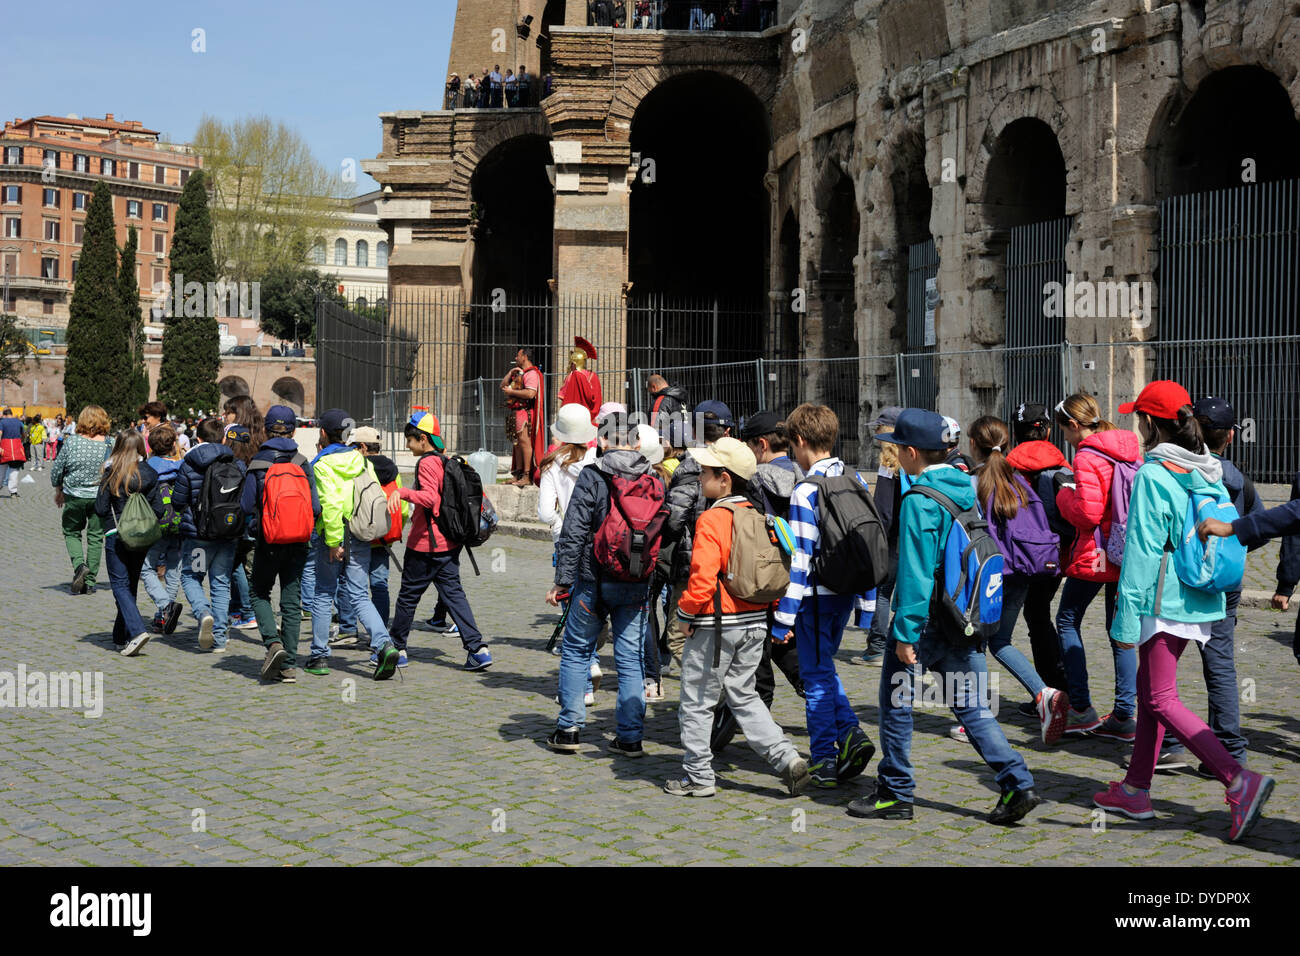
(276, 451)
(923, 526)
(189, 480)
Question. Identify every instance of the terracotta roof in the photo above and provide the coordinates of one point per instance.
(96, 123)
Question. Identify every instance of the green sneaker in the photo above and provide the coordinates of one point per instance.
(389, 656)
(318, 666)
(823, 775)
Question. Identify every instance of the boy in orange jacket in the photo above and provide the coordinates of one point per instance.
(727, 465)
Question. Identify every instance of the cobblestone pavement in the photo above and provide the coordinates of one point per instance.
(194, 761)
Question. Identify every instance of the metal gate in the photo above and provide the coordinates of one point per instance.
(351, 359)
(1033, 365)
(918, 381)
(1229, 268)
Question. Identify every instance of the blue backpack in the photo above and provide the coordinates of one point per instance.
(969, 595)
(1218, 564)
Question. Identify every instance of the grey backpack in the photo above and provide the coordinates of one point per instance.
(370, 519)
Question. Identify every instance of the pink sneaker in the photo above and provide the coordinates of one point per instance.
(1247, 803)
(1053, 707)
(1135, 806)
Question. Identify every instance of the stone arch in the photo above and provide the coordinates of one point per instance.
(638, 84)
(524, 123)
(289, 391)
(232, 385)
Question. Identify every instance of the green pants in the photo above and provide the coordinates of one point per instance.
(283, 562)
(78, 514)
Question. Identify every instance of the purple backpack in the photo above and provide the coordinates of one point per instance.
(1027, 539)
(1121, 490)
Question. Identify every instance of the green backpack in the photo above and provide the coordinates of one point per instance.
(138, 527)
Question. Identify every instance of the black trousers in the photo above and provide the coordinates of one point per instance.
(1044, 644)
(786, 659)
(443, 572)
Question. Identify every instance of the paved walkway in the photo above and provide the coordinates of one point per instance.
(193, 761)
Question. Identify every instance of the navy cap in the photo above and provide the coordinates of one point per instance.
(720, 410)
(887, 416)
(1216, 411)
(238, 433)
(759, 424)
(919, 429)
(337, 420)
(281, 418)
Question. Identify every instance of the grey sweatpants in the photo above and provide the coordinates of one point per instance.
(702, 688)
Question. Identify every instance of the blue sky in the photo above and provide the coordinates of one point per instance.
(326, 68)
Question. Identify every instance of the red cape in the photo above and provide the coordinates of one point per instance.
(582, 388)
(539, 427)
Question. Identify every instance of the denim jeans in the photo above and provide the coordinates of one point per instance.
(378, 592)
(818, 630)
(213, 559)
(1220, 671)
(969, 705)
(307, 590)
(167, 552)
(242, 603)
(352, 576)
(697, 17)
(1015, 588)
(625, 604)
(124, 576)
(1075, 598)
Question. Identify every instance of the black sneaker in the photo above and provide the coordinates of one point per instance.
(564, 740)
(173, 617)
(273, 663)
(1028, 709)
(157, 624)
(1167, 762)
(880, 805)
(855, 753)
(79, 579)
(626, 748)
(318, 666)
(1013, 805)
(823, 775)
(388, 657)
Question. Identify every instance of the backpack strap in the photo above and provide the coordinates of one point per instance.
(927, 492)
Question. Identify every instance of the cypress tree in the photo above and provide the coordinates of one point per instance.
(191, 358)
(97, 370)
(128, 290)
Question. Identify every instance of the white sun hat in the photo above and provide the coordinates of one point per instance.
(573, 425)
(651, 447)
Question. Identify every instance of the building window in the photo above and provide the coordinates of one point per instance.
(160, 174)
(340, 252)
(381, 255)
(51, 230)
(185, 176)
(11, 264)
(318, 253)
(159, 242)
(157, 277)
(75, 263)
(13, 155)
(80, 163)
(108, 167)
(50, 198)
(78, 229)
(363, 254)
(49, 267)
(133, 207)
(80, 201)
(50, 158)
(13, 194)
(133, 170)
(160, 212)
(13, 228)
(47, 306)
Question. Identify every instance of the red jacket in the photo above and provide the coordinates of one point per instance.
(1034, 456)
(1087, 505)
(426, 501)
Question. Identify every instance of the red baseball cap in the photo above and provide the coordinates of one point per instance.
(1162, 399)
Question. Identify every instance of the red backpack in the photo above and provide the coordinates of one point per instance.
(286, 502)
(627, 542)
(395, 524)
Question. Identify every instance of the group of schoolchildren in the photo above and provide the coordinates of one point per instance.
(243, 511)
(768, 544)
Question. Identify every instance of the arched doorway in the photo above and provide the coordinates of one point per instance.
(838, 385)
(233, 385)
(553, 14)
(699, 222)
(1226, 167)
(916, 271)
(1024, 204)
(289, 391)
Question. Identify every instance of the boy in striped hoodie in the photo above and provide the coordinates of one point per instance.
(816, 615)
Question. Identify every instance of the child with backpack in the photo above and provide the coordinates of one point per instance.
(826, 578)
(282, 505)
(939, 626)
(127, 504)
(354, 513)
(1095, 500)
(605, 558)
(1018, 522)
(208, 490)
(440, 498)
(737, 572)
(1039, 461)
(75, 477)
(1171, 591)
(165, 460)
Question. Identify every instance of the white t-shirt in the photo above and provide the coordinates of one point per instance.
(1151, 626)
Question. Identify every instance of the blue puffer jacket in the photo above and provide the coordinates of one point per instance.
(189, 480)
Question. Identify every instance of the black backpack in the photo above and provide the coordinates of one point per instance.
(218, 515)
(465, 517)
(853, 555)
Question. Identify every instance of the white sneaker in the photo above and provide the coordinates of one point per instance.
(595, 676)
(205, 631)
(958, 733)
(132, 647)
(654, 690)
(589, 698)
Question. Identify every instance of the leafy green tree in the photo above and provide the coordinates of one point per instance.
(14, 349)
(97, 371)
(191, 359)
(288, 301)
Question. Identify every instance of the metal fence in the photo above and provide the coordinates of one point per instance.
(681, 14)
(1260, 377)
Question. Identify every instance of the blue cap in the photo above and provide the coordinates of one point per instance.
(281, 418)
(720, 410)
(920, 429)
(337, 420)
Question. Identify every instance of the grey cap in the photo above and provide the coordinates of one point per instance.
(887, 416)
